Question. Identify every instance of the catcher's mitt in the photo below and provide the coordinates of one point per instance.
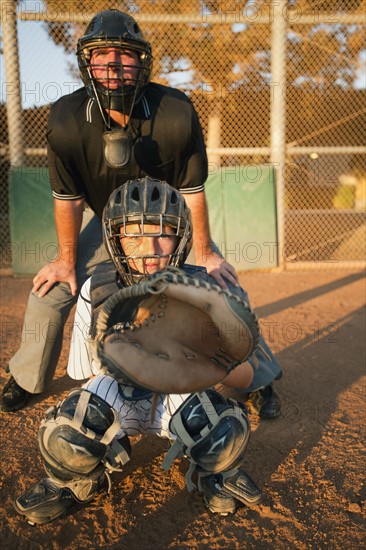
(175, 334)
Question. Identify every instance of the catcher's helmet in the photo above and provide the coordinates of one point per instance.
(145, 201)
(113, 28)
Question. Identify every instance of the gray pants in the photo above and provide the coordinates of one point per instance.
(34, 364)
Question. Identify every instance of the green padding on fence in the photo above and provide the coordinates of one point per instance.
(242, 211)
(241, 204)
(32, 228)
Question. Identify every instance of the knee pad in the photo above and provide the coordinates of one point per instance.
(212, 431)
(76, 439)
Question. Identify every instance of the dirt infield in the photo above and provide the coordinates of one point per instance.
(308, 462)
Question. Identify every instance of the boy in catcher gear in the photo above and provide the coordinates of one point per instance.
(147, 228)
(119, 126)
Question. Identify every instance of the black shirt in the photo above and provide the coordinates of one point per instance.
(167, 144)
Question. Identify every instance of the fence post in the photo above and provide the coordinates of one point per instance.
(278, 115)
(12, 84)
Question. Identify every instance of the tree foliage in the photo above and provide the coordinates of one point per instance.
(220, 57)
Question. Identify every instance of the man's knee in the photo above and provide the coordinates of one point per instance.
(57, 299)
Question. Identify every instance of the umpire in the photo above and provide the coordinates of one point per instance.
(119, 126)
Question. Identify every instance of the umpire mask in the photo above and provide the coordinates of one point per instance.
(115, 29)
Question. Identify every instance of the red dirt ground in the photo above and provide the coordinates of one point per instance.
(309, 462)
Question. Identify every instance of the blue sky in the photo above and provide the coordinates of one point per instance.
(44, 70)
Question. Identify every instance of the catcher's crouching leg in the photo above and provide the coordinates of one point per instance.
(213, 433)
(78, 446)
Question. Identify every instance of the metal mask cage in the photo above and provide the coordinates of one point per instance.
(117, 228)
(128, 94)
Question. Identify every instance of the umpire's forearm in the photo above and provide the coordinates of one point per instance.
(68, 219)
(201, 229)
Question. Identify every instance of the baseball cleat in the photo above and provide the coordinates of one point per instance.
(44, 502)
(242, 487)
(265, 402)
(216, 498)
(13, 397)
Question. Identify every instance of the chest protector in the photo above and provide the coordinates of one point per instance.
(102, 285)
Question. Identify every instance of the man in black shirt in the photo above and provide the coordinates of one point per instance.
(118, 127)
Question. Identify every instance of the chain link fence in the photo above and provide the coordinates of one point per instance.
(220, 54)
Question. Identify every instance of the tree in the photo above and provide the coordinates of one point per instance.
(221, 58)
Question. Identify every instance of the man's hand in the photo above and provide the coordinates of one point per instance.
(58, 271)
(202, 244)
(219, 269)
(68, 218)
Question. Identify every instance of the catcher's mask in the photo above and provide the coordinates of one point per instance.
(115, 29)
(144, 203)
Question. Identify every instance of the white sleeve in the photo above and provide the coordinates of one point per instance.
(81, 364)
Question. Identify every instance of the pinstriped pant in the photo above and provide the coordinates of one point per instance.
(135, 416)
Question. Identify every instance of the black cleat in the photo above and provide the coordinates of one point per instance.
(265, 402)
(13, 397)
(44, 502)
(216, 498)
(223, 495)
(243, 488)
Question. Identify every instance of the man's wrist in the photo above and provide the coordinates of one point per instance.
(203, 251)
(67, 253)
